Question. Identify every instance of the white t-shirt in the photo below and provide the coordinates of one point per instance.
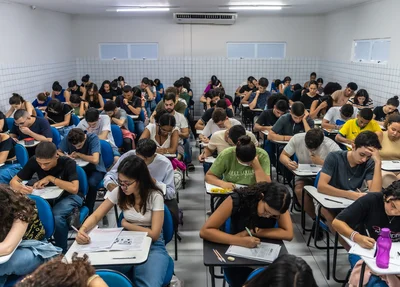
(297, 146)
(152, 128)
(181, 123)
(212, 127)
(102, 125)
(217, 141)
(335, 118)
(155, 202)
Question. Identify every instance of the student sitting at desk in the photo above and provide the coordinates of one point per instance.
(3, 123)
(259, 208)
(219, 121)
(344, 172)
(78, 105)
(244, 164)
(341, 97)
(361, 100)
(53, 170)
(20, 221)
(207, 116)
(57, 272)
(222, 140)
(93, 97)
(362, 222)
(258, 100)
(41, 101)
(290, 124)
(59, 116)
(27, 126)
(142, 204)
(336, 117)
(164, 133)
(180, 104)
(18, 103)
(101, 126)
(310, 148)
(74, 89)
(160, 169)
(312, 95)
(59, 93)
(381, 112)
(9, 166)
(352, 128)
(269, 117)
(106, 92)
(321, 107)
(79, 145)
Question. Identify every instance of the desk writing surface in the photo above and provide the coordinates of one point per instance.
(22, 142)
(210, 186)
(49, 192)
(391, 165)
(210, 159)
(322, 199)
(134, 116)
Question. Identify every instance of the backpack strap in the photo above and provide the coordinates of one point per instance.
(236, 203)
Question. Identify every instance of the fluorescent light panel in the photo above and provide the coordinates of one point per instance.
(237, 8)
(144, 9)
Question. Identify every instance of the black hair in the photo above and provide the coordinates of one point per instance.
(114, 85)
(392, 190)
(347, 110)
(75, 99)
(366, 114)
(352, 86)
(220, 92)
(393, 101)
(263, 82)
(287, 79)
(211, 94)
(146, 81)
(328, 99)
(85, 78)
(76, 136)
(120, 78)
(221, 104)
(250, 79)
(218, 115)
(331, 87)
(391, 118)
(72, 84)
(313, 74)
(287, 270)
(186, 82)
(106, 82)
(282, 105)
(163, 118)
(20, 113)
(92, 115)
(137, 92)
(169, 97)
(297, 87)
(45, 150)
(320, 80)
(178, 83)
(16, 99)
(361, 93)
(236, 132)
(298, 109)
(314, 138)
(127, 89)
(157, 82)
(277, 83)
(146, 148)
(110, 106)
(56, 87)
(313, 83)
(367, 139)
(55, 105)
(245, 149)
(272, 100)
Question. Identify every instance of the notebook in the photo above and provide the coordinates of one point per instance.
(266, 252)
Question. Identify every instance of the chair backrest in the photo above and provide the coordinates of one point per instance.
(39, 113)
(75, 120)
(131, 124)
(316, 180)
(114, 278)
(106, 153)
(22, 154)
(255, 273)
(56, 136)
(117, 135)
(45, 215)
(83, 182)
(10, 122)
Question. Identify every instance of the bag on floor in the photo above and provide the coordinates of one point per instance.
(175, 282)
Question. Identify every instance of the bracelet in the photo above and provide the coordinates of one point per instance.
(353, 234)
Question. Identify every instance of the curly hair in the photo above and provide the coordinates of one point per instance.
(57, 272)
(13, 205)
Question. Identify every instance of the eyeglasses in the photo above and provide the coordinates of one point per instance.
(270, 215)
(124, 184)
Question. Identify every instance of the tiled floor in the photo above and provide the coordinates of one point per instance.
(190, 267)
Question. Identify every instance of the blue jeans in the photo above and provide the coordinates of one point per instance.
(139, 128)
(188, 151)
(94, 178)
(150, 106)
(22, 262)
(374, 281)
(8, 171)
(61, 210)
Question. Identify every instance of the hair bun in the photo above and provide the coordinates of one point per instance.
(56, 83)
(87, 75)
(396, 97)
(244, 140)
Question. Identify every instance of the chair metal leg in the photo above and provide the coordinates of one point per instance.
(327, 256)
(310, 235)
(347, 278)
(335, 259)
(176, 246)
(116, 212)
(361, 284)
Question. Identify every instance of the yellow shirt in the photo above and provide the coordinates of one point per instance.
(390, 150)
(350, 130)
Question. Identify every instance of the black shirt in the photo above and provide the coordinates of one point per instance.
(64, 170)
(380, 115)
(40, 126)
(5, 126)
(296, 95)
(77, 92)
(368, 212)
(208, 114)
(59, 117)
(135, 102)
(307, 100)
(246, 88)
(8, 145)
(267, 118)
(117, 91)
(107, 96)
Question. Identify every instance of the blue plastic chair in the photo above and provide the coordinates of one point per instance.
(117, 135)
(75, 120)
(106, 153)
(21, 154)
(45, 215)
(131, 124)
(114, 278)
(56, 136)
(10, 123)
(255, 273)
(83, 188)
(39, 113)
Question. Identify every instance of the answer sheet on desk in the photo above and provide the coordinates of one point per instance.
(129, 242)
(101, 239)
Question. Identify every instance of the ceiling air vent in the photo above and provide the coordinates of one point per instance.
(205, 18)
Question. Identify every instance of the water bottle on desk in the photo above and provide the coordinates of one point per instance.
(383, 246)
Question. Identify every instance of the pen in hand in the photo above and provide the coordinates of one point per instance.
(248, 231)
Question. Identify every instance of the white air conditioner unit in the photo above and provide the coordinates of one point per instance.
(206, 18)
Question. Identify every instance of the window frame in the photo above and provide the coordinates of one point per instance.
(256, 47)
(371, 42)
(128, 47)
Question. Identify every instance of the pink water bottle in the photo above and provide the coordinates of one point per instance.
(383, 246)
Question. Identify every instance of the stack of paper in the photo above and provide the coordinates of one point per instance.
(309, 168)
(101, 239)
(266, 252)
(129, 242)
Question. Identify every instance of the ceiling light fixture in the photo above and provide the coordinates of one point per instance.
(144, 9)
(237, 8)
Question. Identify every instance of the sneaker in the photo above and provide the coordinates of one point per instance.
(190, 167)
(320, 234)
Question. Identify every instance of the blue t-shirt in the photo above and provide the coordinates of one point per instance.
(261, 101)
(61, 97)
(91, 146)
(40, 126)
(36, 104)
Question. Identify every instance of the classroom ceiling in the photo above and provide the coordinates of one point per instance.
(96, 7)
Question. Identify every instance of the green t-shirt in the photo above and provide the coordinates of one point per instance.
(186, 97)
(227, 167)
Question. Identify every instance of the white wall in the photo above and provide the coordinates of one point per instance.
(373, 20)
(300, 33)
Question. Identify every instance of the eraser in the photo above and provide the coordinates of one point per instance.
(231, 259)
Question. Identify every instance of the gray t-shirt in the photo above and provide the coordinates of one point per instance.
(120, 115)
(343, 176)
(287, 127)
(103, 124)
(297, 146)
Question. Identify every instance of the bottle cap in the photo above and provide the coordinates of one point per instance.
(385, 232)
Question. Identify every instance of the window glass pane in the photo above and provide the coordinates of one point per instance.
(145, 50)
(111, 51)
(241, 50)
(380, 51)
(361, 50)
(271, 50)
